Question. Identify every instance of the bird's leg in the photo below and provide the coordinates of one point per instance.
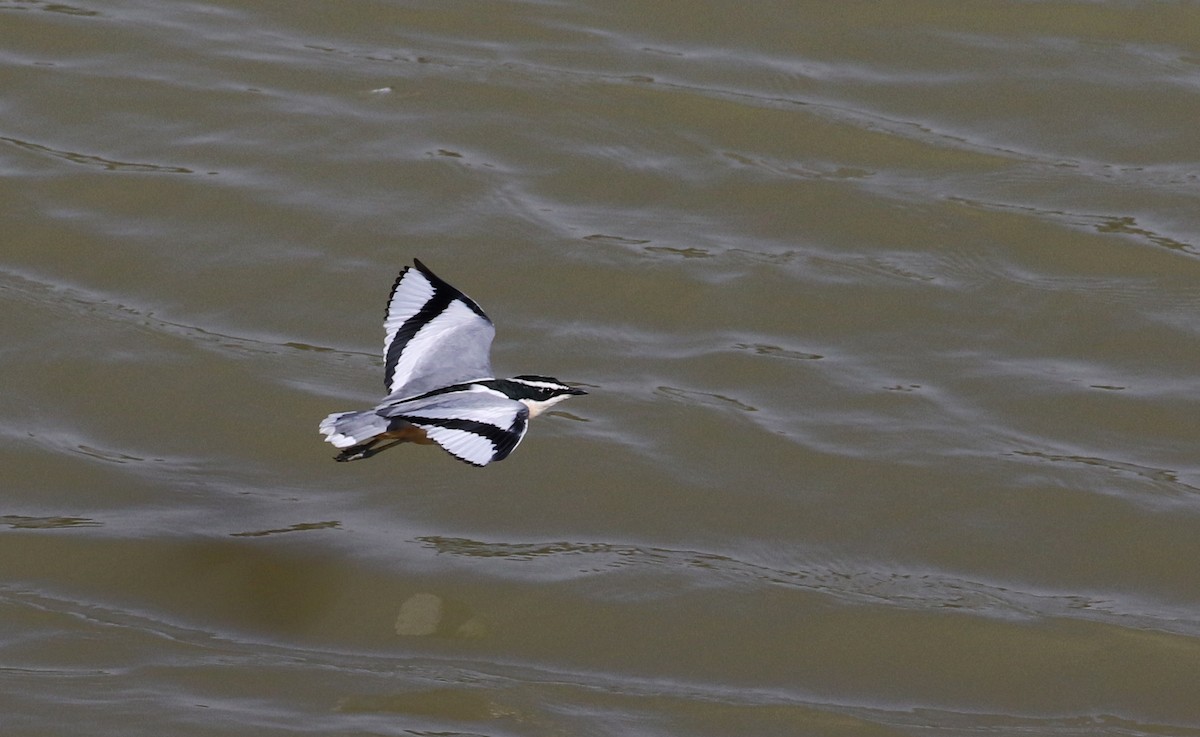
(377, 444)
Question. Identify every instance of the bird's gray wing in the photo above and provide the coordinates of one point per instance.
(474, 425)
(435, 335)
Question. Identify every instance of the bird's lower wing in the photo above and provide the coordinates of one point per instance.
(476, 428)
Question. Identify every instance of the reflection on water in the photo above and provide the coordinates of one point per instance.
(426, 614)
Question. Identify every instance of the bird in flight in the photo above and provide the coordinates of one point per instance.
(438, 375)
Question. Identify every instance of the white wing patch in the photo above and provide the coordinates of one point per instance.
(410, 293)
(473, 428)
(500, 412)
(422, 348)
(463, 444)
(434, 335)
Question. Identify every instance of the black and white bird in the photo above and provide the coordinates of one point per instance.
(439, 380)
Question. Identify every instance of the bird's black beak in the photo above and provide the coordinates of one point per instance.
(573, 390)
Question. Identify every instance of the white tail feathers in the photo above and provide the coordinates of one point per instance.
(345, 429)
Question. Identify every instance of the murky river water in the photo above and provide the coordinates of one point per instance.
(887, 312)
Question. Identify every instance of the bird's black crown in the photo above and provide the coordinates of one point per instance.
(537, 388)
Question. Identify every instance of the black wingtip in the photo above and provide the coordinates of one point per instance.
(404, 270)
(440, 285)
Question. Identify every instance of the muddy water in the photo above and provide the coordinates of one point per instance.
(887, 313)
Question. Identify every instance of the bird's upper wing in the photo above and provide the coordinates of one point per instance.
(478, 426)
(435, 335)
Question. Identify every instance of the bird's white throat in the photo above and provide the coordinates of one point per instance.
(537, 407)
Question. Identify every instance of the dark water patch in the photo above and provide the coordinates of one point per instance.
(709, 399)
(1107, 224)
(873, 583)
(49, 7)
(298, 527)
(777, 352)
(91, 304)
(95, 161)
(22, 522)
(1165, 479)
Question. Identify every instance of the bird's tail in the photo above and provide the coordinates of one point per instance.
(350, 431)
(363, 434)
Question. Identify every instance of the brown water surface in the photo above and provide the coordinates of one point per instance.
(887, 311)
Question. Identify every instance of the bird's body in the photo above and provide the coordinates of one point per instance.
(438, 374)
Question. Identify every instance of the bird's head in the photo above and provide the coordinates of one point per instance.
(539, 393)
